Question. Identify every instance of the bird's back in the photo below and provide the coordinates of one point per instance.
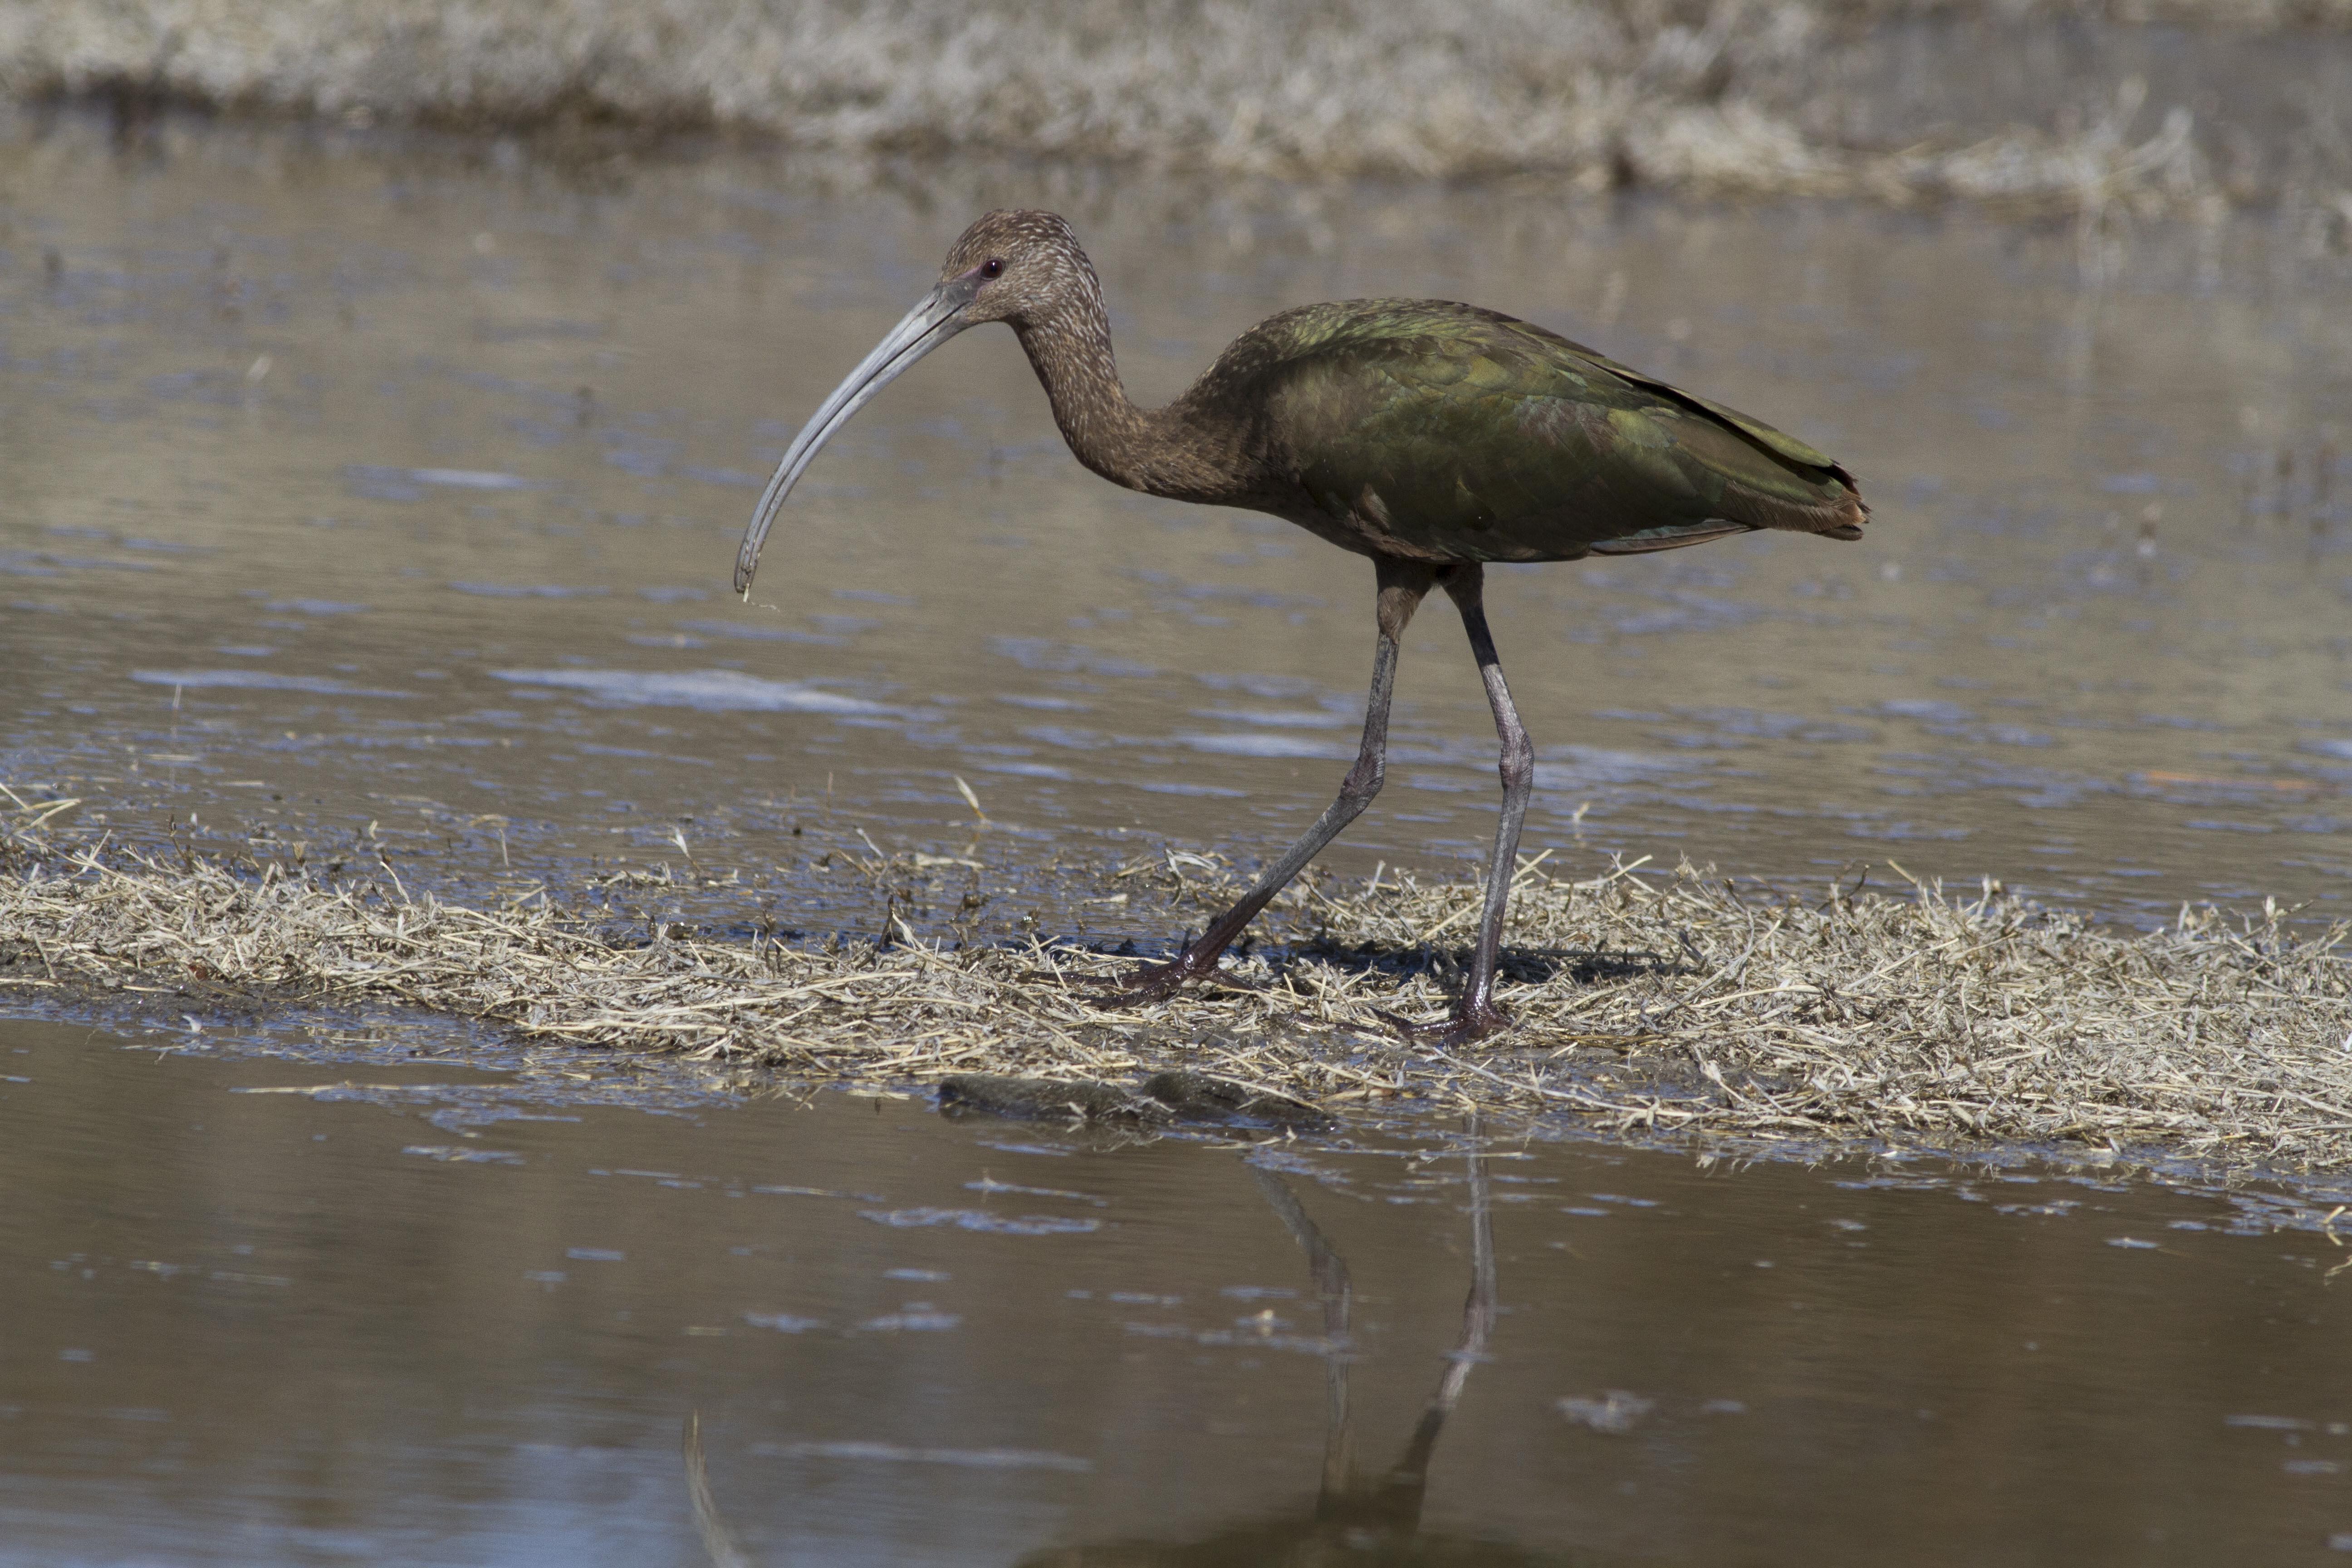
(1445, 432)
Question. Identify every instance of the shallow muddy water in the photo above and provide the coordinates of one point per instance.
(388, 489)
(375, 498)
(376, 1295)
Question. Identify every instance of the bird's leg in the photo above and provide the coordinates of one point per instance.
(1334, 1285)
(1402, 1491)
(1402, 585)
(1475, 1014)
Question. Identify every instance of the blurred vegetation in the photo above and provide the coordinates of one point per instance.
(2045, 105)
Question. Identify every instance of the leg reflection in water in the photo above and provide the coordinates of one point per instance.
(1373, 1521)
(1388, 1504)
(717, 1539)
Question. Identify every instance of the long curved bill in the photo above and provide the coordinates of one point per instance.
(923, 329)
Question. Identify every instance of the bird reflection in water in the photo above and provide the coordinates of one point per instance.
(1371, 1519)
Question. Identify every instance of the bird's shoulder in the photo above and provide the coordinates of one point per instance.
(1374, 333)
(1357, 358)
(1331, 376)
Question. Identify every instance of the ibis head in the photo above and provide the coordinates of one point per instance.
(1021, 268)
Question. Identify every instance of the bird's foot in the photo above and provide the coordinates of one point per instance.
(1471, 1021)
(1159, 982)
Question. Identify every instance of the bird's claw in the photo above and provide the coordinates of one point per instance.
(1471, 1021)
(1153, 982)
(1159, 982)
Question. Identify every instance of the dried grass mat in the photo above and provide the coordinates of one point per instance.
(1649, 1002)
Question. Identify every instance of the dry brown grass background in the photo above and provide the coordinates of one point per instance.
(1773, 96)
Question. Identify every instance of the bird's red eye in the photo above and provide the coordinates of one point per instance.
(991, 267)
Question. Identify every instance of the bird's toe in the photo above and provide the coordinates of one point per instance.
(1471, 1023)
(1159, 982)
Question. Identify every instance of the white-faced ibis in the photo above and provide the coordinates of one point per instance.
(1432, 436)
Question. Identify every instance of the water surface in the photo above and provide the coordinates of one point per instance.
(372, 499)
(441, 1303)
(382, 495)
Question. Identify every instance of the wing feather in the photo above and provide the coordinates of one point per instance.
(1452, 433)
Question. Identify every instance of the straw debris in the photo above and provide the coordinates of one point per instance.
(1647, 1002)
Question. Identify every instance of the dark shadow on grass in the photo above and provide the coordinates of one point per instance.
(1524, 965)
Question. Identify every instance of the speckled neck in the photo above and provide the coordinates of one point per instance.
(1163, 452)
(1071, 352)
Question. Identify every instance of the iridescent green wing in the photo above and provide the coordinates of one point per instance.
(1454, 433)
